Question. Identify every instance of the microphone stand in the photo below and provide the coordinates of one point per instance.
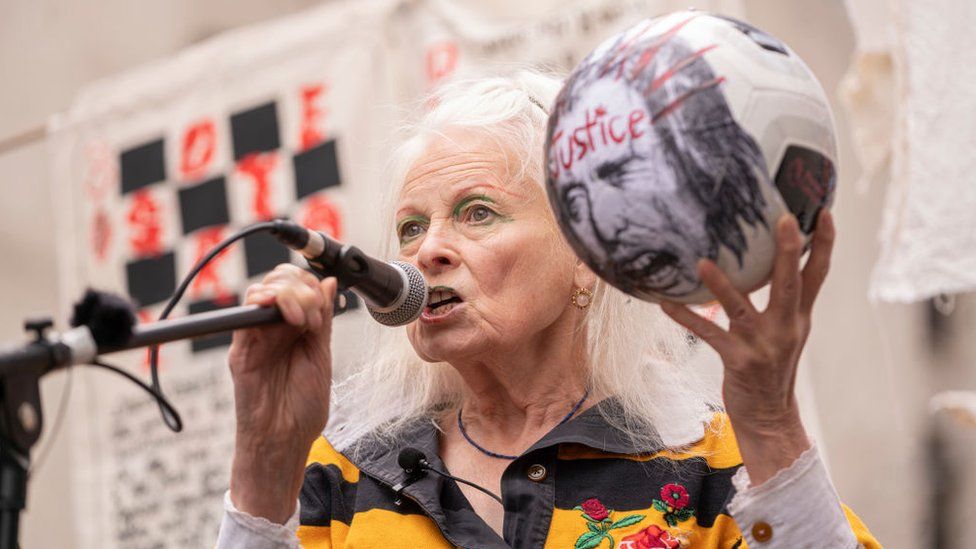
(21, 369)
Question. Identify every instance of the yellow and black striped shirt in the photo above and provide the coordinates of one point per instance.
(597, 492)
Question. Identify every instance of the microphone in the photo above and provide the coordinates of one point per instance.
(395, 293)
(414, 463)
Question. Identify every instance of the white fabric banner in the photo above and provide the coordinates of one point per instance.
(912, 99)
(154, 167)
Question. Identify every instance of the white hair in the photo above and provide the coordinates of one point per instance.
(636, 353)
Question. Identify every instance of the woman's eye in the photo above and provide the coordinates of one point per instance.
(480, 213)
(575, 203)
(410, 230)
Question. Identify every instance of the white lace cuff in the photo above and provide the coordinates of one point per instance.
(239, 530)
(797, 507)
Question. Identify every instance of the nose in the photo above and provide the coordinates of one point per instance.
(437, 252)
(609, 213)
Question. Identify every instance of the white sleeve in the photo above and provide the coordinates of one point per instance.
(798, 507)
(239, 530)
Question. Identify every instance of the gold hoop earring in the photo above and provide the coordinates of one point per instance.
(582, 298)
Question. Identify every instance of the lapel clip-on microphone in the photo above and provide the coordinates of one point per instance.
(415, 464)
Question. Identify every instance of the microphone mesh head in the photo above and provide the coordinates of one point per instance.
(412, 305)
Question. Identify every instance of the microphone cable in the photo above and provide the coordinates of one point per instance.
(414, 463)
(171, 417)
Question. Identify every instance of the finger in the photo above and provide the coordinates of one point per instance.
(784, 296)
(737, 306)
(818, 264)
(705, 329)
(258, 294)
(286, 272)
(311, 301)
(315, 319)
(290, 306)
(327, 287)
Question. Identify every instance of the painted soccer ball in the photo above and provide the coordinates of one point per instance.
(687, 137)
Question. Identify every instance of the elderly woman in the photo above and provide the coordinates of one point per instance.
(526, 375)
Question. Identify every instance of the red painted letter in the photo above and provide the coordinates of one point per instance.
(312, 114)
(257, 166)
(206, 240)
(145, 233)
(197, 151)
(322, 215)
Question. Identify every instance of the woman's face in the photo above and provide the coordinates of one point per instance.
(638, 225)
(487, 244)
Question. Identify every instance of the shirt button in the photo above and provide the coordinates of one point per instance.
(537, 473)
(762, 531)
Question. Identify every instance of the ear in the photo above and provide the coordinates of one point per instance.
(583, 276)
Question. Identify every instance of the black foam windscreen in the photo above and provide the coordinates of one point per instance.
(109, 317)
(410, 460)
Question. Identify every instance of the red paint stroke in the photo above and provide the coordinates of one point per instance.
(440, 61)
(145, 224)
(649, 53)
(197, 150)
(804, 180)
(312, 115)
(678, 67)
(673, 106)
(102, 172)
(101, 234)
(322, 215)
(258, 167)
(205, 241)
(619, 52)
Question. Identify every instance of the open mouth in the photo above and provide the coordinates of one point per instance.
(652, 269)
(441, 300)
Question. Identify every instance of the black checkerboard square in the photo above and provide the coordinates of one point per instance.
(263, 252)
(316, 169)
(142, 165)
(216, 340)
(255, 130)
(204, 205)
(151, 280)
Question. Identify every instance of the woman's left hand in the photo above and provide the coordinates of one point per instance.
(761, 350)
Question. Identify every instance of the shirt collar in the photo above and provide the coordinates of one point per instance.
(590, 428)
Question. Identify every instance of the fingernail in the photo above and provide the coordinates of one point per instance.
(828, 218)
(703, 266)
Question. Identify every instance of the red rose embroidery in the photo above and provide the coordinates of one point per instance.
(652, 537)
(594, 509)
(599, 525)
(675, 495)
(674, 504)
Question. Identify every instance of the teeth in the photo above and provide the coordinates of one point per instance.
(440, 295)
(444, 309)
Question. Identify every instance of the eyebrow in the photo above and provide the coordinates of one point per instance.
(463, 190)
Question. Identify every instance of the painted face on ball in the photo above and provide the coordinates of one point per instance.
(622, 202)
(647, 168)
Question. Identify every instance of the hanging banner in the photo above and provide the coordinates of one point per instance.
(439, 39)
(914, 105)
(153, 168)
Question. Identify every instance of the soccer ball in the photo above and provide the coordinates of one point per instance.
(687, 137)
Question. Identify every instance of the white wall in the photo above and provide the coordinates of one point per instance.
(868, 365)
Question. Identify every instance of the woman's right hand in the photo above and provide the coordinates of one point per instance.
(282, 378)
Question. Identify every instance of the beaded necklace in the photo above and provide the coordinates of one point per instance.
(489, 453)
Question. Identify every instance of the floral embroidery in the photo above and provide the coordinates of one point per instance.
(652, 537)
(674, 504)
(599, 523)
